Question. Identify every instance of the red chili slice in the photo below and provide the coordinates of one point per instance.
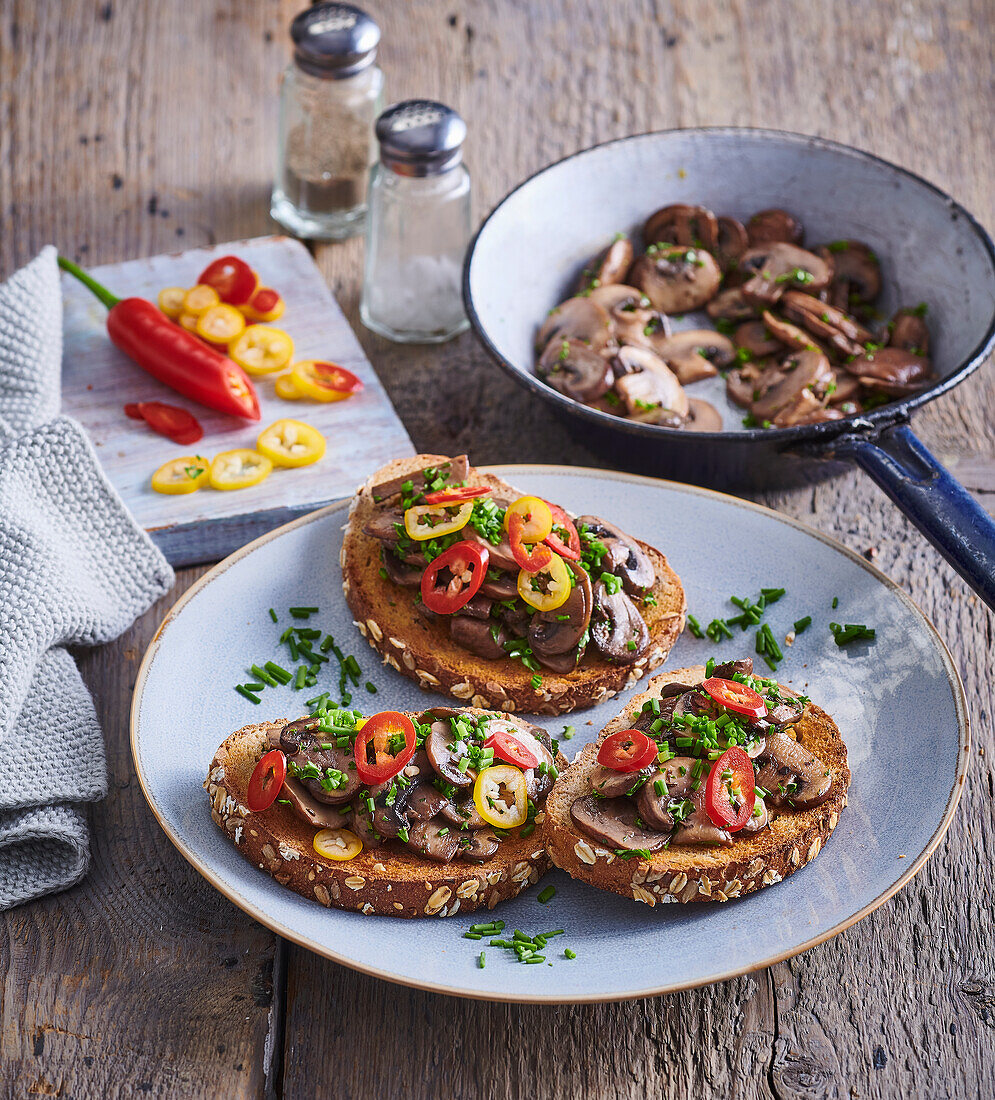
(731, 792)
(735, 697)
(459, 589)
(627, 751)
(232, 278)
(266, 781)
(531, 561)
(175, 423)
(511, 750)
(377, 735)
(571, 548)
(265, 299)
(456, 495)
(133, 411)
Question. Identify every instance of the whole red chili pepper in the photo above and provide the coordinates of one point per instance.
(176, 357)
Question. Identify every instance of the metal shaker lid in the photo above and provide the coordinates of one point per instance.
(420, 137)
(334, 40)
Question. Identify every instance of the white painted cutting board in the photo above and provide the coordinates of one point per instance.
(363, 432)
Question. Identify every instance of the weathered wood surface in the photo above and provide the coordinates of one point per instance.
(129, 128)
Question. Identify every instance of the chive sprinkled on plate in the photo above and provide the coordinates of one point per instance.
(546, 895)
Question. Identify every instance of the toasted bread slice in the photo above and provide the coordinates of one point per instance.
(697, 872)
(390, 880)
(388, 618)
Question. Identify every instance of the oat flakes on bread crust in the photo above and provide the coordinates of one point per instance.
(385, 881)
(424, 652)
(696, 872)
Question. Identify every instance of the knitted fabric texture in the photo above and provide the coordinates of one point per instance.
(75, 569)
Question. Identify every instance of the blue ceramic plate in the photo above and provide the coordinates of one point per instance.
(899, 703)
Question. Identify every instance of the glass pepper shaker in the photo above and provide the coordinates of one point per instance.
(419, 226)
(331, 95)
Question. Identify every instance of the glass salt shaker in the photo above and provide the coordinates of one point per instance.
(419, 226)
(331, 95)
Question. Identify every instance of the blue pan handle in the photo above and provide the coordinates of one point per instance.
(952, 520)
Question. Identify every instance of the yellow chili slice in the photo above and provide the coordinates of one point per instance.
(239, 469)
(262, 350)
(171, 301)
(291, 443)
(501, 796)
(323, 381)
(220, 324)
(181, 475)
(547, 588)
(199, 299)
(188, 321)
(340, 844)
(286, 388)
(431, 521)
(537, 517)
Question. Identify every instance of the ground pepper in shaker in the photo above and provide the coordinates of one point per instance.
(419, 226)
(331, 95)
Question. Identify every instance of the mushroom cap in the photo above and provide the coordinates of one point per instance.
(552, 633)
(647, 385)
(684, 224)
(857, 268)
(787, 333)
(732, 243)
(730, 304)
(703, 416)
(610, 267)
(624, 556)
(612, 821)
(617, 628)
(577, 319)
(677, 279)
(575, 370)
(756, 338)
(767, 226)
(776, 267)
(784, 760)
(838, 329)
(891, 370)
(798, 372)
(635, 320)
(697, 353)
(909, 331)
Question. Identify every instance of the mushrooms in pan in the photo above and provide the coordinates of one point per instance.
(612, 347)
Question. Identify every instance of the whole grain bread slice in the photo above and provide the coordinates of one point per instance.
(387, 616)
(697, 872)
(390, 880)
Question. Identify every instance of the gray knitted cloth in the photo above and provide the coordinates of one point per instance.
(75, 569)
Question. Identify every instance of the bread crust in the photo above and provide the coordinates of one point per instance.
(697, 872)
(387, 616)
(388, 882)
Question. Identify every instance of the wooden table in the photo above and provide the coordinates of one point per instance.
(128, 128)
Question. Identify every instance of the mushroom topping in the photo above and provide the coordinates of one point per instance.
(329, 774)
(756, 338)
(787, 333)
(758, 820)
(636, 322)
(617, 628)
(610, 266)
(453, 472)
(608, 783)
(743, 384)
(804, 371)
(309, 809)
(856, 273)
(424, 801)
(577, 319)
(728, 669)
(477, 607)
(502, 587)
(788, 710)
(703, 417)
(676, 778)
(679, 223)
(698, 827)
(612, 821)
(775, 225)
(556, 632)
(382, 525)
(483, 844)
(648, 386)
(407, 576)
(839, 330)
(777, 267)
(623, 555)
(733, 242)
(678, 279)
(891, 370)
(362, 825)
(476, 636)
(434, 841)
(575, 370)
(697, 354)
(464, 814)
(730, 305)
(908, 331)
(806, 408)
(441, 752)
(792, 775)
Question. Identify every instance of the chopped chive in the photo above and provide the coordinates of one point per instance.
(295, 653)
(472, 936)
(695, 627)
(300, 678)
(288, 633)
(327, 643)
(547, 895)
(371, 688)
(351, 665)
(803, 624)
(303, 612)
(261, 674)
(481, 961)
(535, 959)
(568, 954)
(318, 701)
(243, 690)
(272, 615)
(836, 602)
(254, 687)
(278, 672)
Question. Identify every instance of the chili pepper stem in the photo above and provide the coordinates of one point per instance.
(101, 292)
